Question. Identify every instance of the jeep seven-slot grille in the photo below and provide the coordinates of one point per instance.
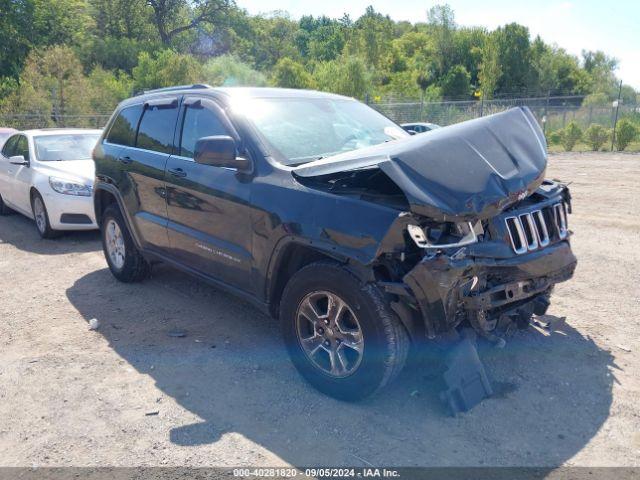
(533, 230)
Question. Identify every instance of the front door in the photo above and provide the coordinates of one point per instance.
(7, 170)
(208, 206)
(21, 184)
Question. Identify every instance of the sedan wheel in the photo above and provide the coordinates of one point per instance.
(40, 214)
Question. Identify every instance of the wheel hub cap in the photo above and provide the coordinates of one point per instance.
(114, 242)
(329, 334)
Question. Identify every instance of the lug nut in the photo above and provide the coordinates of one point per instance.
(321, 330)
(327, 343)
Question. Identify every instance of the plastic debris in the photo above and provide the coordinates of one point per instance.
(94, 324)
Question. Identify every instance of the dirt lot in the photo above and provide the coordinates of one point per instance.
(226, 394)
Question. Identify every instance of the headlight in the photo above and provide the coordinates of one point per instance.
(68, 187)
(446, 235)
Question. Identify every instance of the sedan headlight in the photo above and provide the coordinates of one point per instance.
(69, 187)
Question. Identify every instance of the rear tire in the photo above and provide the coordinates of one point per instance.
(4, 210)
(380, 347)
(41, 216)
(123, 257)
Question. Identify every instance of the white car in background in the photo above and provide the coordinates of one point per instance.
(48, 176)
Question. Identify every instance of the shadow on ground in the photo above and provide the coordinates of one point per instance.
(22, 233)
(553, 391)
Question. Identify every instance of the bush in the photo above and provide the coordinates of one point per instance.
(595, 136)
(625, 134)
(554, 138)
(571, 135)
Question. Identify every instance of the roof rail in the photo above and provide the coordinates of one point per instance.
(195, 86)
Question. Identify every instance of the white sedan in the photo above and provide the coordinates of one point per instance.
(48, 176)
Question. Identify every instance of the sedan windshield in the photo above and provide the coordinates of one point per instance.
(305, 129)
(52, 148)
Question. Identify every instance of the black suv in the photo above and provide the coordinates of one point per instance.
(360, 238)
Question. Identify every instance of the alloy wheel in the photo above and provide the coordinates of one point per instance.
(329, 333)
(115, 244)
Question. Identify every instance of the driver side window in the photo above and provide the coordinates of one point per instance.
(22, 147)
(199, 122)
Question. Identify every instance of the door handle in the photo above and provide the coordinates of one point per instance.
(177, 172)
(126, 159)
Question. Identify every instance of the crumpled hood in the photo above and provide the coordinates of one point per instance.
(470, 170)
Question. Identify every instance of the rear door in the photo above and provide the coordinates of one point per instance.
(208, 206)
(7, 170)
(144, 163)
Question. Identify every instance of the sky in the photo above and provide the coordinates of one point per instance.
(613, 26)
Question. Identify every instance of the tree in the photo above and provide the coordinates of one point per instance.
(172, 17)
(456, 83)
(52, 85)
(229, 70)
(16, 23)
(515, 58)
(490, 68)
(443, 25)
(165, 69)
(347, 76)
(291, 74)
(60, 22)
(107, 89)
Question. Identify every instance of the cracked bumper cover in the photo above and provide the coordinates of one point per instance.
(443, 286)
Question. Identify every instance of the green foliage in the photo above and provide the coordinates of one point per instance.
(626, 132)
(554, 137)
(456, 83)
(347, 76)
(165, 69)
(490, 68)
(291, 74)
(126, 45)
(571, 135)
(230, 71)
(595, 136)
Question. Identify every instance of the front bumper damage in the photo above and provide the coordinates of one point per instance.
(479, 296)
(448, 289)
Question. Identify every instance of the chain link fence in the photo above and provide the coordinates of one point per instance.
(553, 113)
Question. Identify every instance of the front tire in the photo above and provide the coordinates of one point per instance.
(341, 335)
(41, 216)
(124, 259)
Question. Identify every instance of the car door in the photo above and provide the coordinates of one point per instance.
(145, 165)
(21, 182)
(208, 206)
(7, 170)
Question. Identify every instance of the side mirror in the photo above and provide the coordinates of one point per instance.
(220, 151)
(412, 132)
(18, 160)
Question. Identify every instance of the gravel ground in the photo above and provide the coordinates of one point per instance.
(226, 394)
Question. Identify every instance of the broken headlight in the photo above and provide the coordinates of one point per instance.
(445, 235)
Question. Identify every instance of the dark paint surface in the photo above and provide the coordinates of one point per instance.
(238, 229)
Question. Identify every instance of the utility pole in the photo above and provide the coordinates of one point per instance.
(615, 122)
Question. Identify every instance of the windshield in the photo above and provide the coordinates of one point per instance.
(307, 129)
(52, 148)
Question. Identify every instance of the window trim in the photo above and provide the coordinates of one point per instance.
(115, 117)
(160, 102)
(16, 136)
(209, 104)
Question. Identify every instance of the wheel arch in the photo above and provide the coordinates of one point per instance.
(105, 195)
(290, 255)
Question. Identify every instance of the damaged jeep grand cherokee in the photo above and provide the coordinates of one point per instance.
(360, 238)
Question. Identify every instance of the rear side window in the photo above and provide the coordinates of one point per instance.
(123, 130)
(10, 146)
(199, 122)
(157, 127)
